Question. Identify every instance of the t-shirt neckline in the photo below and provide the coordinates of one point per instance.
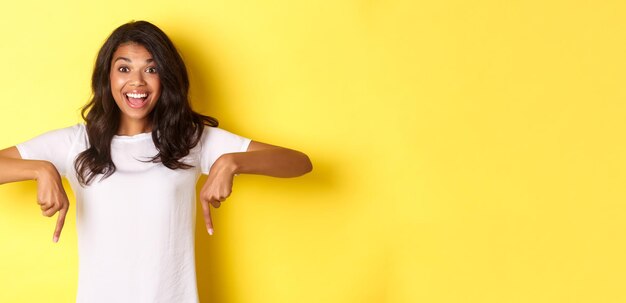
(133, 137)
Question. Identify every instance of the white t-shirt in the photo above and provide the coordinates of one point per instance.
(136, 227)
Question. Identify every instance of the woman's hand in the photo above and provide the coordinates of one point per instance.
(260, 158)
(50, 193)
(217, 187)
(51, 196)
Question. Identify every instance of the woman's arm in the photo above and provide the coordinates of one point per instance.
(269, 160)
(13, 168)
(50, 193)
(261, 159)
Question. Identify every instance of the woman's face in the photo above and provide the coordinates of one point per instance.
(135, 83)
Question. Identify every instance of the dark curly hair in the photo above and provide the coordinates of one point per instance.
(176, 128)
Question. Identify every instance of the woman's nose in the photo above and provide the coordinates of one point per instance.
(137, 79)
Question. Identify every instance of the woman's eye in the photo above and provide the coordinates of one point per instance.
(123, 69)
(151, 70)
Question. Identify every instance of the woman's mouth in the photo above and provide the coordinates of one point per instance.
(136, 100)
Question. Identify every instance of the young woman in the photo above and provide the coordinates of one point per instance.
(133, 167)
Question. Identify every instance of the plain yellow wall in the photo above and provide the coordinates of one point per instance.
(463, 151)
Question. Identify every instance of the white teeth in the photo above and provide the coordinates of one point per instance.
(136, 96)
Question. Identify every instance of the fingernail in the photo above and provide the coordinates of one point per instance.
(211, 231)
(55, 239)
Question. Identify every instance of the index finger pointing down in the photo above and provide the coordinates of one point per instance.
(60, 223)
(206, 211)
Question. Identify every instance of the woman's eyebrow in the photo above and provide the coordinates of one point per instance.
(129, 61)
(122, 58)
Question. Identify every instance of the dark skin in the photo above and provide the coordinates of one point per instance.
(133, 74)
(260, 159)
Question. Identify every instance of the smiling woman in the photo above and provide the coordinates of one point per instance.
(133, 167)
(135, 85)
(139, 58)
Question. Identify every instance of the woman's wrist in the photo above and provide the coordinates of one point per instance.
(41, 169)
(228, 163)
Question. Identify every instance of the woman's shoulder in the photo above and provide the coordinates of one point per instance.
(77, 128)
(73, 131)
(65, 133)
(55, 141)
(215, 132)
(70, 134)
(219, 138)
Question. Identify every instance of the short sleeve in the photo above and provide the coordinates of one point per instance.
(53, 146)
(216, 142)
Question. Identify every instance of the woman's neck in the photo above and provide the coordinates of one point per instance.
(133, 127)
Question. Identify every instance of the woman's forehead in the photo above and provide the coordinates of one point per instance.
(131, 51)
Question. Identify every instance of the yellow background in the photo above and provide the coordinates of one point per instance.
(463, 151)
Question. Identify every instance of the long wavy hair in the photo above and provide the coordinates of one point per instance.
(176, 128)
